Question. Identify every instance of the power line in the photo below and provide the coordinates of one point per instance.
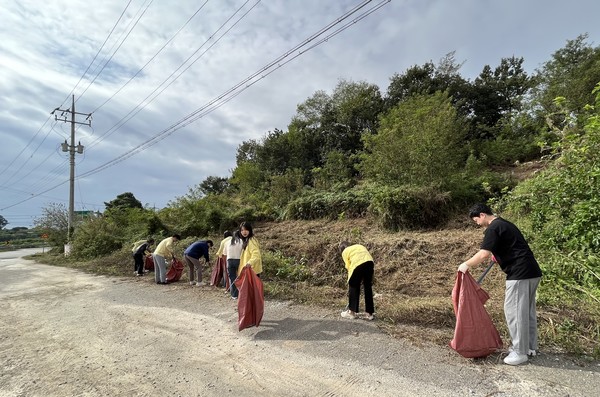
(117, 49)
(152, 58)
(97, 53)
(145, 102)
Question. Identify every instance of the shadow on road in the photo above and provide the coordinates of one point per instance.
(302, 329)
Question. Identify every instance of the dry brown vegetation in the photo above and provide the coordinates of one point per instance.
(414, 273)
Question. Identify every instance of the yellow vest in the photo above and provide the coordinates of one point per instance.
(251, 255)
(137, 245)
(354, 256)
(221, 250)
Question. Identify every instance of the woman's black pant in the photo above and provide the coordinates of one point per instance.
(363, 274)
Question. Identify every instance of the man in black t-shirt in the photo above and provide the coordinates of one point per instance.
(505, 241)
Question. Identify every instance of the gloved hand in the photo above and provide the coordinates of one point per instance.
(463, 267)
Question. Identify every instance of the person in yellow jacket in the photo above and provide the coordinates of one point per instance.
(140, 250)
(163, 252)
(250, 250)
(360, 266)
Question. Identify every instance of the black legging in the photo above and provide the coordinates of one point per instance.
(363, 274)
(138, 263)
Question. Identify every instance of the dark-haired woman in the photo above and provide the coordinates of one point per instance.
(250, 256)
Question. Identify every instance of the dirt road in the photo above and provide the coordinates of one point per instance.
(67, 333)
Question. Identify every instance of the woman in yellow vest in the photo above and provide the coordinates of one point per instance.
(360, 266)
(250, 250)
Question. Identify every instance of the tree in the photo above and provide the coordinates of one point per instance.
(246, 151)
(3, 222)
(419, 143)
(496, 94)
(572, 73)
(214, 185)
(428, 79)
(248, 178)
(54, 222)
(357, 105)
(122, 202)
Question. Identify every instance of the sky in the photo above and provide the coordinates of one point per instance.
(173, 88)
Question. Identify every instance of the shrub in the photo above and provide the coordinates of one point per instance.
(96, 237)
(277, 266)
(330, 205)
(410, 207)
(502, 151)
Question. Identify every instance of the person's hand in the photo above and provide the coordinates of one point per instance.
(248, 264)
(463, 267)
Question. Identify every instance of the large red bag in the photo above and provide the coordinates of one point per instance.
(227, 282)
(219, 272)
(149, 263)
(475, 334)
(251, 300)
(175, 271)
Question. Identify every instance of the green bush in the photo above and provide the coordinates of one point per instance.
(97, 237)
(410, 207)
(329, 205)
(502, 151)
(277, 266)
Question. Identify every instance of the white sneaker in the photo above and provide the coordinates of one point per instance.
(200, 284)
(192, 283)
(515, 358)
(348, 314)
(530, 352)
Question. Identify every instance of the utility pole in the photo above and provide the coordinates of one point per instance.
(66, 147)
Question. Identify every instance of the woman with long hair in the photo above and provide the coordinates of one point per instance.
(250, 256)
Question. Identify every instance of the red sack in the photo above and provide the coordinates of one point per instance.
(219, 272)
(149, 263)
(251, 300)
(225, 273)
(175, 271)
(475, 334)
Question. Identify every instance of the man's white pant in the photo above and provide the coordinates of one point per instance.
(520, 313)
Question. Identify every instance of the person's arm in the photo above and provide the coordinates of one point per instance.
(480, 257)
(206, 254)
